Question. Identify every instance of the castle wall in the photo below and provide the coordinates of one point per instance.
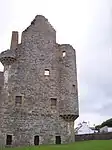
(42, 98)
(24, 127)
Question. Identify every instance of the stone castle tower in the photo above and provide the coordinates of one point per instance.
(38, 88)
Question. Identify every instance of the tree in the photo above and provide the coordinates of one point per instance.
(105, 123)
(97, 128)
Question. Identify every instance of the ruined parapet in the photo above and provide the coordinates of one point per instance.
(68, 83)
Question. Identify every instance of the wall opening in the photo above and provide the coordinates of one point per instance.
(53, 102)
(58, 139)
(46, 72)
(9, 140)
(64, 53)
(36, 140)
(73, 88)
(18, 100)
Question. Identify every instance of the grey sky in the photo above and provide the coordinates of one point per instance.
(87, 25)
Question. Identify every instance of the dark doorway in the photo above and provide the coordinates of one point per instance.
(58, 139)
(9, 140)
(36, 140)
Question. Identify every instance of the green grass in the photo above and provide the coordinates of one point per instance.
(85, 145)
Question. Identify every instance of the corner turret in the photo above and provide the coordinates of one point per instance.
(8, 57)
(68, 83)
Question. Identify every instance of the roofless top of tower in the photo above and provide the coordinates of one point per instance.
(39, 21)
(40, 28)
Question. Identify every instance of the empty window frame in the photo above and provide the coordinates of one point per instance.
(53, 102)
(46, 72)
(64, 54)
(18, 100)
(9, 140)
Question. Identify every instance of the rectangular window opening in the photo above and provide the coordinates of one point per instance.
(18, 100)
(9, 140)
(64, 53)
(53, 101)
(46, 72)
(36, 140)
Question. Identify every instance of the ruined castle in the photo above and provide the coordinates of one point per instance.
(38, 88)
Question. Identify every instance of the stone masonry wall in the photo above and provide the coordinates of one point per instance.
(24, 76)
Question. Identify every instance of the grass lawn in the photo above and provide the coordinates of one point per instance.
(85, 145)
